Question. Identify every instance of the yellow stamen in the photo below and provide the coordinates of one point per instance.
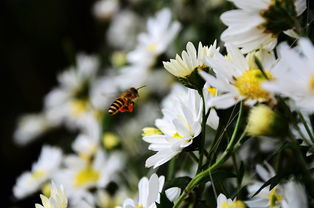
(249, 84)
(150, 131)
(212, 91)
(38, 174)
(274, 198)
(79, 107)
(138, 206)
(110, 140)
(177, 136)
(234, 204)
(312, 83)
(85, 176)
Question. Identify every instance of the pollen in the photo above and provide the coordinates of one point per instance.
(86, 176)
(312, 83)
(235, 204)
(79, 107)
(249, 85)
(274, 198)
(138, 206)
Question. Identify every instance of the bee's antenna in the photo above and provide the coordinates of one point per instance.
(141, 87)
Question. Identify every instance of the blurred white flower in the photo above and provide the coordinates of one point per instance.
(190, 60)
(223, 202)
(70, 100)
(80, 174)
(57, 198)
(47, 165)
(123, 29)
(105, 9)
(31, 126)
(177, 129)
(254, 24)
(149, 193)
(160, 33)
(238, 78)
(288, 195)
(106, 200)
(173, 193)
(294, 75)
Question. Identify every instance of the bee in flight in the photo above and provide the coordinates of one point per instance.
(125, 102)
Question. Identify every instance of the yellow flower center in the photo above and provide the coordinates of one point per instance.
(212, 91)
(177, 136)
(138, 206)
(85, 176)
(274, 198)
(312, 83)
(149, 131)
(249, 84)
(38, 174)
(152, 47)
(235, 204)
(79, 107)
(110, 140)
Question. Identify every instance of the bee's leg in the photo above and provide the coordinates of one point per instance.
(123, 109)
(131, 107)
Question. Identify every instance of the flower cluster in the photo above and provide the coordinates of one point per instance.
(221, 111)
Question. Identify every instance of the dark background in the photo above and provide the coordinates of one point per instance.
(37, 39)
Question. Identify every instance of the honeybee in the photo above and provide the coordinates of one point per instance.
(125, 102)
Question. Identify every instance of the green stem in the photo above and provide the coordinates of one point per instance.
(308, 130)
(202, 142)
(171, 167)
(232, 146)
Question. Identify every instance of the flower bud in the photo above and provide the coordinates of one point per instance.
(263, 121)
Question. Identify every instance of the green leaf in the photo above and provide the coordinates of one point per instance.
(272, 182)
(180, 182)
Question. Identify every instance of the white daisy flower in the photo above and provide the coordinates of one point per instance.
(123, 30)
(160, 33)
(30, 127)
(80, 174)
(177, 129)
(294, 75)
(256, 24)
(238, 78)
(223, 202)
(190, 60)
(67, 102)
(48, 163)
(57, 198)
(286, 195)
(149, 193)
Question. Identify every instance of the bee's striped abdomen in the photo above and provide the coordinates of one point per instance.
(115, 106)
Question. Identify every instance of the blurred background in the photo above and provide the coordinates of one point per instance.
(37, 40)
